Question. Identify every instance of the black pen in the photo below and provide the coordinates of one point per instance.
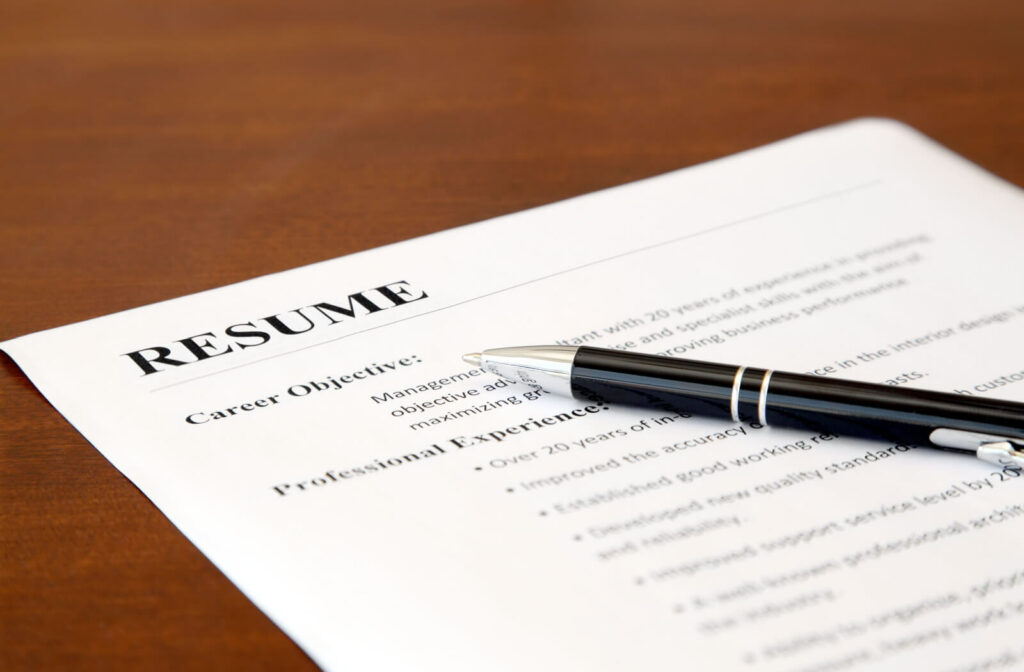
(990, 429)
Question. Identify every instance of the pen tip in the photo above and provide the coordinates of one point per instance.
(472, 358)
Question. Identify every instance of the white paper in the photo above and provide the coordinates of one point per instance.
(380, 534)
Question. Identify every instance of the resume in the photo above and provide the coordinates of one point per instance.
(317, 435)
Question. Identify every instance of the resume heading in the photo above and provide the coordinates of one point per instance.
(257, 332)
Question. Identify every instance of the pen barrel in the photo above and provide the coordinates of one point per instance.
(897, 414)
(748, 394)
(673, 385)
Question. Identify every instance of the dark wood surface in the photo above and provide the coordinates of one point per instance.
(150, 150)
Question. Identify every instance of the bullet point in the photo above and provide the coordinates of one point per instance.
(509, 490)
(639, 582)
(543, 513)
(578, 538)
(479, 468)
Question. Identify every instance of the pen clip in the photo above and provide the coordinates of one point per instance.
(1004, 451)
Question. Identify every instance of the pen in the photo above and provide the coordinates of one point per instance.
(990, 429)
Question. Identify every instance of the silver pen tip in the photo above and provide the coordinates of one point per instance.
(472, 358)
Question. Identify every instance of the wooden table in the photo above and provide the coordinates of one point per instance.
(150, 150)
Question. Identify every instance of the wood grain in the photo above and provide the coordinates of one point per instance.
(150, 150)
